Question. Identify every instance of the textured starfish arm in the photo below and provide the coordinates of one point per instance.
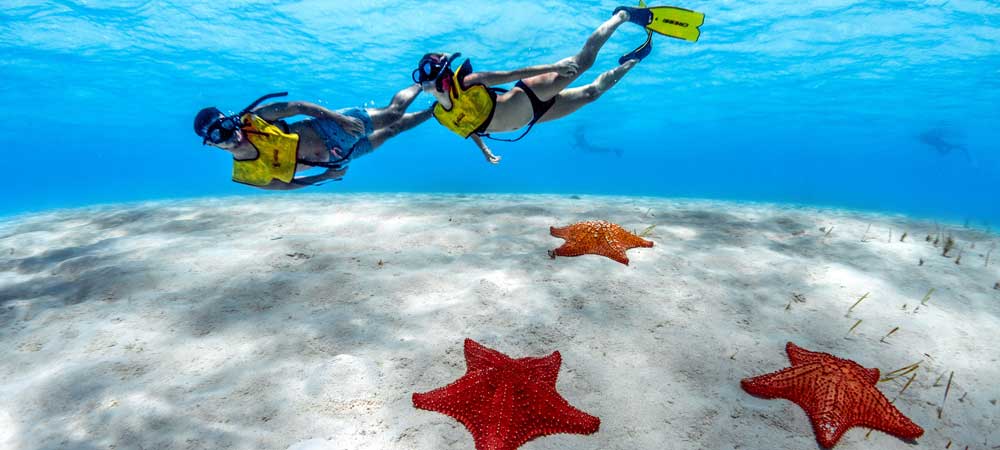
(825, 406)
(479, 357)
(561, 232)
(570, 249)
(545, 369)
(784, 383)
(798, 355)
(828, 430)
(871, 376)
(882, 415)
(450, 400)
(631, 241)
(616, 254)
(553, 414)
(498, 425)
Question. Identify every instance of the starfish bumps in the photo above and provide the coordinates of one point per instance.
(837, 394)
(505, 402)
(596, 238)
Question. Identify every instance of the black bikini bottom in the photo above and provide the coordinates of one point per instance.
(538, 107)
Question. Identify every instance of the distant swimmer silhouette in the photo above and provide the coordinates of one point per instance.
(943, 141)
(469, 105)
(268, 152)
(580, 142)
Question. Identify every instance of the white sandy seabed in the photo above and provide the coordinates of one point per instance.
(307, 322)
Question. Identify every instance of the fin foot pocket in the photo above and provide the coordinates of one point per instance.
(641, 52)
(638, 16)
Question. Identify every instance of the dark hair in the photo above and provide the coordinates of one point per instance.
(205, 118)
(433, 56)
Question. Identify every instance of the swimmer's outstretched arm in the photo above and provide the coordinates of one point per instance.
(281, 110)
(301, 182)
(565, 68)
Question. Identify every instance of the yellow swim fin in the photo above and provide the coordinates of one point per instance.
(670, 21)
(676, 22)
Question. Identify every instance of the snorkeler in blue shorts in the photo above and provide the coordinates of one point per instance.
(268, 152)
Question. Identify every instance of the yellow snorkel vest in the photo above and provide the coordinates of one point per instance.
(277, 154)
(471, 109)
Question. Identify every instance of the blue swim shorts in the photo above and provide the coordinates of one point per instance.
(339, 140)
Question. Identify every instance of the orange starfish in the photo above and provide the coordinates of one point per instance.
(505, 402)
(837, 394)
(596, 238)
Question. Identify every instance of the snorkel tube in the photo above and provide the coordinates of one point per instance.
(441, 79)
(223, 127)
(259, 101)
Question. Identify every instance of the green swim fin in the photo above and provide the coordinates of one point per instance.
(676, 22)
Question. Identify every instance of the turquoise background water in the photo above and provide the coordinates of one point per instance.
(878, 105)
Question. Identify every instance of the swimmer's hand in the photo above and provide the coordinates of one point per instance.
(331, 174)
(567, 68)
(335, 174)
(490, 157)
(352, 125)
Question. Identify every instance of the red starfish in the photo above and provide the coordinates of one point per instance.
(837, 394)
(505, 402)
(596, 238)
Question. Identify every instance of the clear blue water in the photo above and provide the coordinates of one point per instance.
(878, 105)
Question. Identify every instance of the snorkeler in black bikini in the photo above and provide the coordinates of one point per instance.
(468, 105)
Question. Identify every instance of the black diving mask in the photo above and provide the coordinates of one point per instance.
(432, 66)
(221, 130)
